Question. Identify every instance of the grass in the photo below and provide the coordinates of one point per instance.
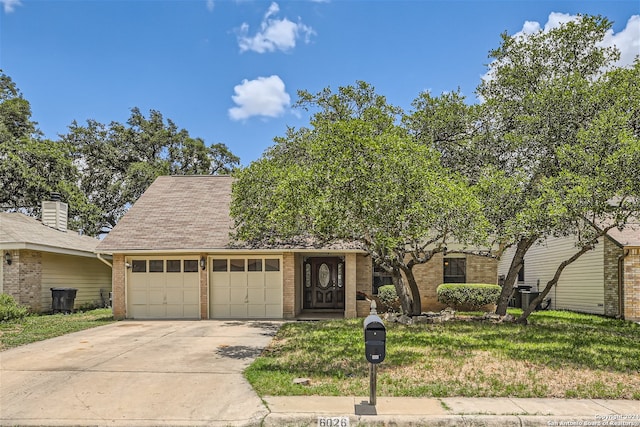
(41, 327)
(559, 354)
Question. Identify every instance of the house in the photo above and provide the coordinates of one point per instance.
(173, 258)
(40, 255)
(603, 281)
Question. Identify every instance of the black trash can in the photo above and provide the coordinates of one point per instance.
(518, 295)
(528, 297)
(62, 299)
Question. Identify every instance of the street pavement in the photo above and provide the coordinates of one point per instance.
(189, 373)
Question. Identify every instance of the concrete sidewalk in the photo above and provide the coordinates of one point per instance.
(401, 411)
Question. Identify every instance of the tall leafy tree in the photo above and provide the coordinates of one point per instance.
(118, 162)
(545, 92)
(31, 167)
(355, 176)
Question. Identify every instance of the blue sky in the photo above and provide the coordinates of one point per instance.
(228, 71)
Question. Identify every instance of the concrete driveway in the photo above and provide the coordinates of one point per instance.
(137, 373)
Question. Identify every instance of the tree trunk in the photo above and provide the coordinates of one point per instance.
(415, 292)
(550, 284)
(406, 300)
(512, 275)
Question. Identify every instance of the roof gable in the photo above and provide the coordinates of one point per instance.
(176, 213)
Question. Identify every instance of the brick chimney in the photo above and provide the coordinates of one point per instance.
(54, 212)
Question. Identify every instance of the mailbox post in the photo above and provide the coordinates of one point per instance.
(375, 338)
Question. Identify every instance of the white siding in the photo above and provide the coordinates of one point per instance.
(88, 275)
(581, 285)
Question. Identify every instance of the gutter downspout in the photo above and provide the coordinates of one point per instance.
(111, 265)
(621, 282)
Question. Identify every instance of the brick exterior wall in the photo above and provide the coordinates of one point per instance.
(611, 295)
(11, 275)
(429, 276)
(204, 288)
(119, 302)
(632, 285)
(23, 279)
(364, 282)
(289, 285)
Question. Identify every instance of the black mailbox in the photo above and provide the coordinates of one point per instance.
(375, 338)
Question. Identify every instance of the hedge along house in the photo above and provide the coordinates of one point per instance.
(173, 258)
(40, 255)
(603, 281)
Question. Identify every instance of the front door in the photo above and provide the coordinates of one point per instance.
(324, 283)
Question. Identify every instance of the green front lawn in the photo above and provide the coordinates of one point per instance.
(37, 328)
(559, 354)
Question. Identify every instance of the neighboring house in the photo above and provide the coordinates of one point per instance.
(603, 281)
(40, 255)
(173, 258)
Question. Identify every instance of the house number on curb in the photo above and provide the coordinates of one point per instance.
(333, 421)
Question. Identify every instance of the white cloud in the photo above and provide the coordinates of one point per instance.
(265, 96)
(10, 5)
(627, 40)
(274, 34)
(210, 5)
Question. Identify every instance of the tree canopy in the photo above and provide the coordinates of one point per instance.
(101, 170)
(550, 151)
(356, 176)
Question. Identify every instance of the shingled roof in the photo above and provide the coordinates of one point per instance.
(628, 236)
(19, 231)
(176, 213)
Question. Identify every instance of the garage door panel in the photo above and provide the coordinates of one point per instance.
(156, 297)
(252, 293)
(273, 297)
(138, 297)
(255, 310)
(175, 296)
(167, 292)
(157, 311)
(238, 279)
(238, 310)
(222, 311)
(256, 296)
(255, 280)
(220, 295)
(191, 297)
(191, 310)
(273, 280)
(191, 280)
(273, 310)
(238, 295)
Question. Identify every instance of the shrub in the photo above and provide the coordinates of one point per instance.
(467, 296)
(10, 310)
(388, 298)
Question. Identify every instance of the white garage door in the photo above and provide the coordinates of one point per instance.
(163, 288)
(245, 288)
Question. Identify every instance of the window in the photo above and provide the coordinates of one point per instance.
(156, 266)
(139, 266)
(237, 265)
(190, 266)
(380, 278)
(173, 266)
(455, 270)
(254, 265)
(219, 265)
(271, 264)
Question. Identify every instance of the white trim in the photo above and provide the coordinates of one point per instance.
(45, 248)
